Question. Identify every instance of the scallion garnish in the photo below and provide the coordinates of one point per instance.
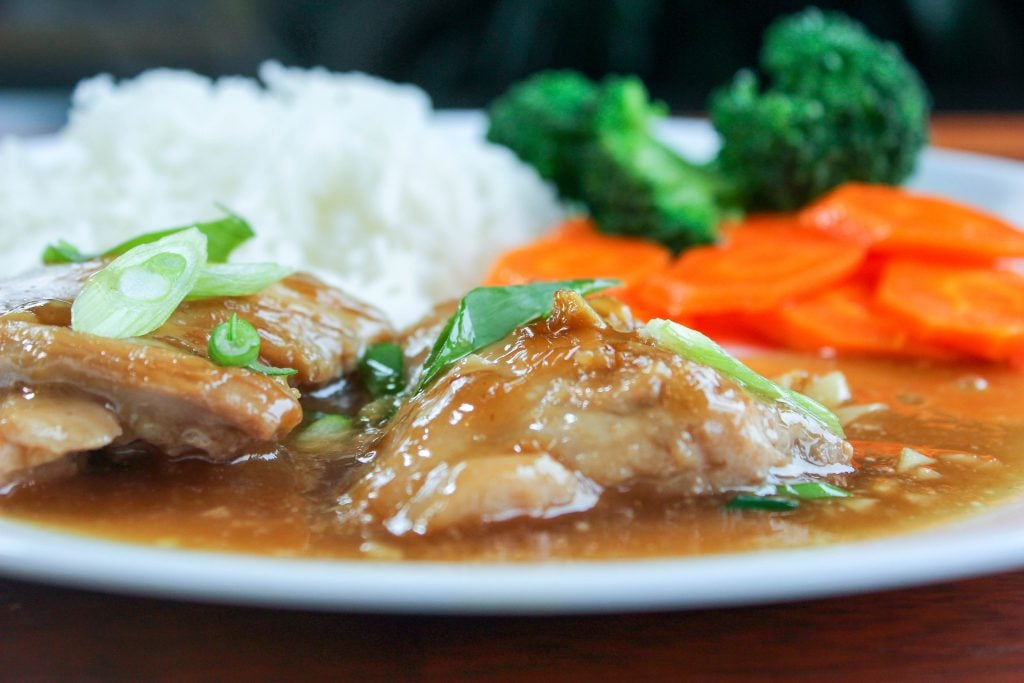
(235, 343)
(62, 252)
(152, 274)
(236, 279)
(811, 490)
(382, 368)
(324, 430)
(749, 501)
(695, 346)
(787, 496)
(138, 291)
(379, 411)
(270, 371)
(488, 314)
(223, 236)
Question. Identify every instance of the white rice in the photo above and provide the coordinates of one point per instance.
(344, 174)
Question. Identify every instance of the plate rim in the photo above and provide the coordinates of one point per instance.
(34, 553)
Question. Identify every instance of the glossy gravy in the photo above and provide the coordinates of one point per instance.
(968, 417)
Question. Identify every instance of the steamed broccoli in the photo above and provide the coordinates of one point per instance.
(544, 120)
(594, 141)
(634, 184)
(838, 105)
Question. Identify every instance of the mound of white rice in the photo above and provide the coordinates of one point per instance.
(344, 174)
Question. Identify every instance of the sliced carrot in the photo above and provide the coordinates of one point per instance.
(893, 221)
(640, 309)
(979, 310)
(844, 318)
(729, 329)
(758, 264)
(576, 250)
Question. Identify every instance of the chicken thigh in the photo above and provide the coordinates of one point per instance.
(562, 410)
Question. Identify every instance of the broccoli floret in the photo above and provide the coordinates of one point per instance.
(544, 120)
(837, 105)
(634, 184)
(594, 141)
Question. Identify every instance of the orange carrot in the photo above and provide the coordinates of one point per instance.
(729, 329)
(846, 319)
(893, 221)
(979, 310)
(867, 270)
(758, 264)
(576, 250)
(641, 310)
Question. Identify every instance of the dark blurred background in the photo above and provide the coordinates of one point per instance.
(464, 52)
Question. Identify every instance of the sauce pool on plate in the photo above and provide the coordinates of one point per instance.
(963, 418)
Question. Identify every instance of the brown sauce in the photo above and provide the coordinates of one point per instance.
(968, 417)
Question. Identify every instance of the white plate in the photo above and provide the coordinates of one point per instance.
(989, 542)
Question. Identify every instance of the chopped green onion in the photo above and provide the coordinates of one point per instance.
(695, 346)
(488, 314)
(811, 490)
(62, 252)
(242, 279)
(379, 411)
(787, 496)
(382, 368)
(235, 343)
(322, 431)
(270, 371)
(749, 501)
(138, 291)
(223, 236)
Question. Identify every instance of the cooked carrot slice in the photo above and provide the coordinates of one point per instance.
(758, 265)
(640, 309)
(979, 310)
(576, 250)
(846, 319)
(893, 221)
(729, 329)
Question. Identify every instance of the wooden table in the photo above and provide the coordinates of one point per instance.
(967, 630)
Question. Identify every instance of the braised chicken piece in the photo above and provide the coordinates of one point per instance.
(303, 324)
(562, 411)
(37, 427)
(417, 340)
(65, 392)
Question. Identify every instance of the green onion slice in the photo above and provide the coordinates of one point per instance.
(256, 366)
(488, 314)
(323, 430)
(382, 368)
(236, 279)
(138, 291)
(749, 501)
(63, 252)
(811, 490)
(379, 411)
(787, 496)
(235, 343)
(694, 346)
(223, 236)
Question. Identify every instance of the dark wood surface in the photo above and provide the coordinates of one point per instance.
(968, 630)
(971, 630)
